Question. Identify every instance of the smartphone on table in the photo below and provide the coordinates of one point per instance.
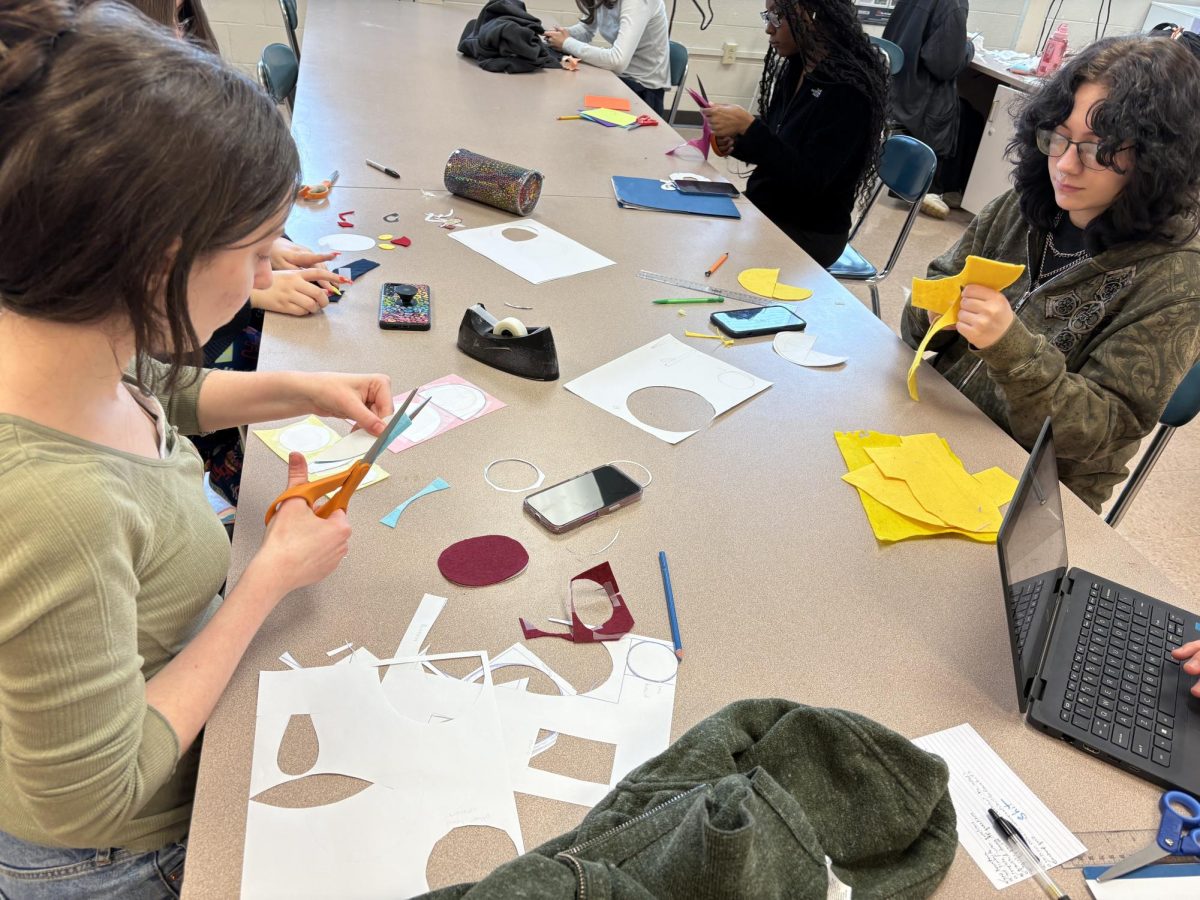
(577, 500)
(705, 188)
(739, 323)
(404, 307)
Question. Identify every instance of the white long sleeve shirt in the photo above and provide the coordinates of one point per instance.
(637, 30)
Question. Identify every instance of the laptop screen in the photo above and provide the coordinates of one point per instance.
(1033, 559)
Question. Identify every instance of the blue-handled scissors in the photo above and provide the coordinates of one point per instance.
(1178, 835)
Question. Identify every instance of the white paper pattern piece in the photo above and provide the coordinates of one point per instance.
(543, 255)
(665, 362)
(346, 242)
(427, 778)
(980, 779)
(317, 442)
(797, 347)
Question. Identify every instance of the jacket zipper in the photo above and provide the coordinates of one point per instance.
(578, 866)
(1020, 304)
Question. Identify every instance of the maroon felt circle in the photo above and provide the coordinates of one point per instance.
(480, 561)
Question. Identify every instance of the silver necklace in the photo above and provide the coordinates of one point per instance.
(1048, 247)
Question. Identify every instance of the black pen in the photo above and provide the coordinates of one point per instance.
(1017, 843)
(382, 168)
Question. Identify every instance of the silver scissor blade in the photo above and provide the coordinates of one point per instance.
(1135, 861)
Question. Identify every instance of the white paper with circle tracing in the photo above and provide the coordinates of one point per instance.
(542, 254)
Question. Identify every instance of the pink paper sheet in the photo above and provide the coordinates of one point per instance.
(703, 142)
(453, 401)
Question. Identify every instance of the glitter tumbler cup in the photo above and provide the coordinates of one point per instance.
(499, 184)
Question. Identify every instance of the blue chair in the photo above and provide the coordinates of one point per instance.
(278, 71)
(892, 53)
(679, 69)
(906, 167)
(1181, 409)
(290, 21)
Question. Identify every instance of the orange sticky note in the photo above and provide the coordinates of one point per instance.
(593, 102)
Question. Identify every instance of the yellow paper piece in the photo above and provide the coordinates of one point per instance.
(997, 484)
(311, 437)
(765, 283)
(891, 492)
(727, 342)
(612, 116)
(944, 295)
(939, 483)
(937, 294)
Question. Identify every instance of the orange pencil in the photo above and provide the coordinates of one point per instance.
(720, 262)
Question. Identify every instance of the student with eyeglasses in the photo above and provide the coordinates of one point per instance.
(1105, 321)
(822, 107)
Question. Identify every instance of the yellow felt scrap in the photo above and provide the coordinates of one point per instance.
(939, 483)
(892, 504)
(937, 294)
(943, 296)
(765, 283)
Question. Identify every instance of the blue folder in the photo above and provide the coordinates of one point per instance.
(647, 193)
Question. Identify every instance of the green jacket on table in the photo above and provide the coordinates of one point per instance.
(1099, 348)
(750, 803)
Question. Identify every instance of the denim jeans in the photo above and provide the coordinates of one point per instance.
(33, 872)
(652, 96)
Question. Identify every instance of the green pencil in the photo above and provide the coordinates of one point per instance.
(692, 300)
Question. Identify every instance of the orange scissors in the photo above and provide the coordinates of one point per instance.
(319, 191)
(347, 482)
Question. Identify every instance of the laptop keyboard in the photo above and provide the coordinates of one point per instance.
(1024, 598)
(1124, 684)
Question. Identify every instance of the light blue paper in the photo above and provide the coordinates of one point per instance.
(438, 484)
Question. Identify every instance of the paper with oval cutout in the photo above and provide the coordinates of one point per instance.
(765, 283)
(453, 401)
(665, 362)
(547, 255)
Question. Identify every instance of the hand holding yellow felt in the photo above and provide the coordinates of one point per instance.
(944, 295)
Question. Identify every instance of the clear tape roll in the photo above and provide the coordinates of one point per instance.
(510, 327)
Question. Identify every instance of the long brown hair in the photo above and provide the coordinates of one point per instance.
(191, 15)
(589, 7)
(126, 157)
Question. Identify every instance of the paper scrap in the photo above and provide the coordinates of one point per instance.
(797, 347)
(609, 117)
(438, 484)
(979, 780)
(596, 101)
(326, 452)
(897, 511)
(534, 251)
(349, 645)
(665, 362)
(765, 283)
(944, 296)
(1168, 881)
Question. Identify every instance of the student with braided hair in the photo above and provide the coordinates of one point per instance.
(822, 107)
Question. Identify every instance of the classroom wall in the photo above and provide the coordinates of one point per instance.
(245, 27)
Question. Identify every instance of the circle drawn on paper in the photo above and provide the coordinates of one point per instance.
(517, 234)
(425, 425)
(304, 438)
(346, 242)
(462, 400)
(736, 379)
(652, 662)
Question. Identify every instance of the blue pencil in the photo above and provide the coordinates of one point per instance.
(666, 574)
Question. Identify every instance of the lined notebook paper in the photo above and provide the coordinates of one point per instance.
(980, 779)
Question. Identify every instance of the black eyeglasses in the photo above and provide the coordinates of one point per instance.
(1054, 144)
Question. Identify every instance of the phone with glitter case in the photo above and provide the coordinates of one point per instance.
(404, 307)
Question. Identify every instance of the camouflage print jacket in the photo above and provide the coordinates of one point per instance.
(1098, 348)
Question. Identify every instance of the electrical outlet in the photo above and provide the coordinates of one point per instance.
(728, 53)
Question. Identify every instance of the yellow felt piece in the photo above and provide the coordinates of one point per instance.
(948, 318)
(939, 482)
(938, 294)
(997, 484)
(765, 283)
(892, 493)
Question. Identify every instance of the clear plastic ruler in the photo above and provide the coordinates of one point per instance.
(703, 288)
(1107, 847)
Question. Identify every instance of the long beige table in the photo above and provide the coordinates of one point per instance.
(782, 589)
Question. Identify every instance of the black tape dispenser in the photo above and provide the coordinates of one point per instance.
(507, 345)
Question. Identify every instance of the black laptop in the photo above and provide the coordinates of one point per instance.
(1092, 657)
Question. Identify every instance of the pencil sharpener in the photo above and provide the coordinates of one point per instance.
(529, 356)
